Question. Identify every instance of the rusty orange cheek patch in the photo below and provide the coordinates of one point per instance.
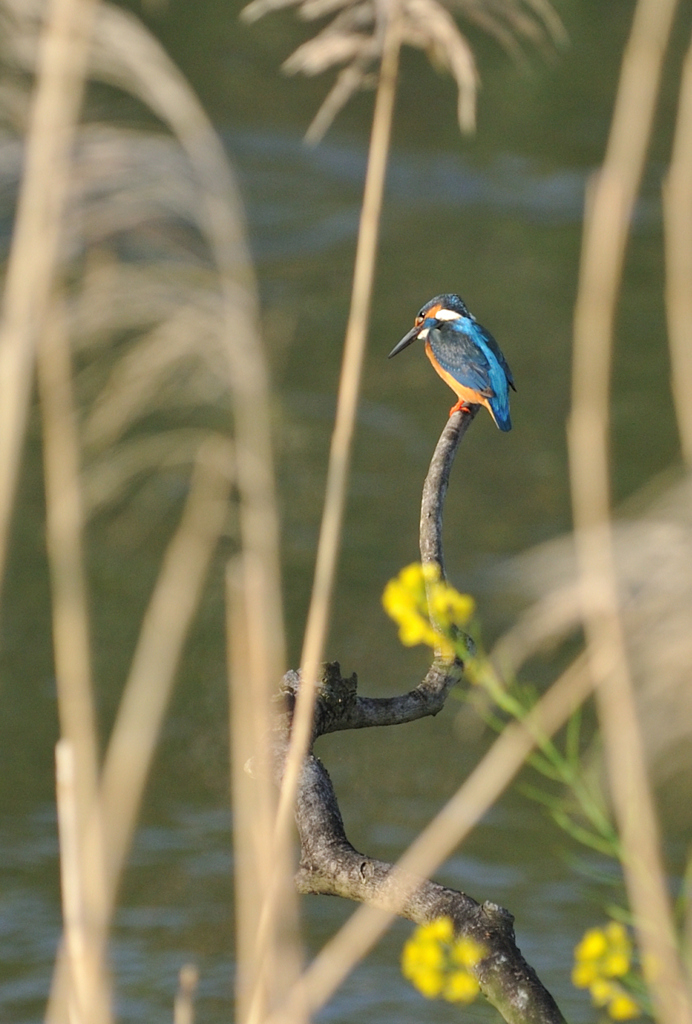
(433, 311)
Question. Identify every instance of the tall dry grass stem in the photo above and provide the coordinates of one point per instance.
(338, 468)
(69, 606)
(342, 437)
(149, 685)
(677, 225)
(609, 211)
(64, 525)
(165, 627)
(88, 994)
(336, 485)
(184, 1005)
(34, 250)
(444, 833)
(254, 812)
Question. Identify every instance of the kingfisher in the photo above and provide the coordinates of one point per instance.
(465, 355)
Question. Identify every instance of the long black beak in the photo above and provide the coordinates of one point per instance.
(405, 342)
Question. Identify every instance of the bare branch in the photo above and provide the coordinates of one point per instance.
(330, 865)
(435, 486)
(340, 708)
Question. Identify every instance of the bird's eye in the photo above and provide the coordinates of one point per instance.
(419, 319)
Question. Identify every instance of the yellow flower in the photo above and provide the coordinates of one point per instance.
(461, 606)
(606, 951)
(583, 975)
(467, 952)
(604, 954)
(602, 991)
(421, 956)
(430, 571)
(593, 945)
(461, 987)
(429, 983)
(437, 964)
(439, 930)
(426, 609)
(623, 1007)
(616, 933)
(616, 964)
(414, 630)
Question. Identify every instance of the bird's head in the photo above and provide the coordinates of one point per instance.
(438, 310)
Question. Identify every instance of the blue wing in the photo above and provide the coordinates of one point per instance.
(468, 352)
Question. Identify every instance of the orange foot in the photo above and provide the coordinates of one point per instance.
(461, 406)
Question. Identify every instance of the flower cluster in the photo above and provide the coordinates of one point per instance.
(439, 965)
(603, 955)
(426, 609)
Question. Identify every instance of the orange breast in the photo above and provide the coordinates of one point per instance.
(463, 393)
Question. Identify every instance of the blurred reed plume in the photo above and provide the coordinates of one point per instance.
(652, 539)
(145, 323)
(355, 40)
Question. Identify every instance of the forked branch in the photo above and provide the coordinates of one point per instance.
(329, 864)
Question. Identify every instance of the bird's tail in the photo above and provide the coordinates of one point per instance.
(500, 413)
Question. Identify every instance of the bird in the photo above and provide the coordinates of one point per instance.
(464, 354)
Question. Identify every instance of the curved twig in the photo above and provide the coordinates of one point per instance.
(435, 487)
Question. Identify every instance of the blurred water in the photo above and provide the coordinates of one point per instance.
(496, 218)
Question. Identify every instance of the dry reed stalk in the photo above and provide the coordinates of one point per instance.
(608, 216)
(677, 224)
(686, 901)
(444, 833)
(88, 996)
(248, 802)
(342, 437)
(64, 523)
(254, 813)
(36, 238)
(273, 920)
(164, 629)
(337, 472)
(184, 1005)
